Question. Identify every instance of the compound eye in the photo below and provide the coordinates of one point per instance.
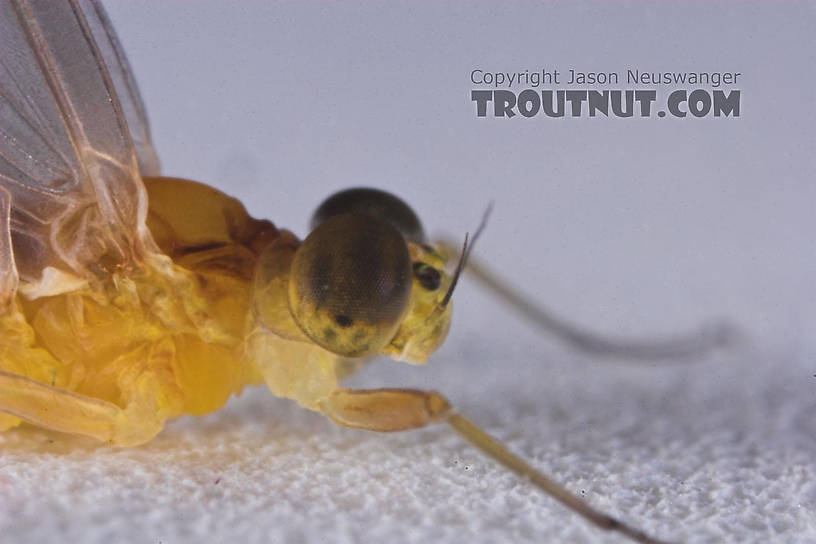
(374, 202)
(350, 284)
(429, 277)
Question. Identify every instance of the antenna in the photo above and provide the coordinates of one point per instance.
(465, 254)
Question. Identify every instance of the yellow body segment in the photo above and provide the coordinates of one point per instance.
(176, 336)
(115, 356)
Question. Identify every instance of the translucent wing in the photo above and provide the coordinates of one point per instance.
(8, 272)
(67, 159)
(125, 85)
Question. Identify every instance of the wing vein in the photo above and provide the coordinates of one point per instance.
(49, 70)
(37, 124)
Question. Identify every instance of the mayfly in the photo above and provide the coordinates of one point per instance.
(127, 299)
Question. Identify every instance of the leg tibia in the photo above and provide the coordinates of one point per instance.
(65, 411)
(384, 410)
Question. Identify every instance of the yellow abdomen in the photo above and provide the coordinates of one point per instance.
(176, 325)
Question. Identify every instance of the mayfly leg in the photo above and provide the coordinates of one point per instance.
(389, 410)
(489, 446)
(680, 347)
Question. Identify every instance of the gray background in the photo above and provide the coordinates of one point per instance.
(629, 225)
(632, 227)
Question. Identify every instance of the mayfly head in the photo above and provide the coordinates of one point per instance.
(418, 338)
(365, 281)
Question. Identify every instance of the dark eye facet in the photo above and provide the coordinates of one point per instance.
(350, 284)
(374, 202)
(428, 276)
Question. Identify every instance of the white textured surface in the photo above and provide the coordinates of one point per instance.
(705, 452)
